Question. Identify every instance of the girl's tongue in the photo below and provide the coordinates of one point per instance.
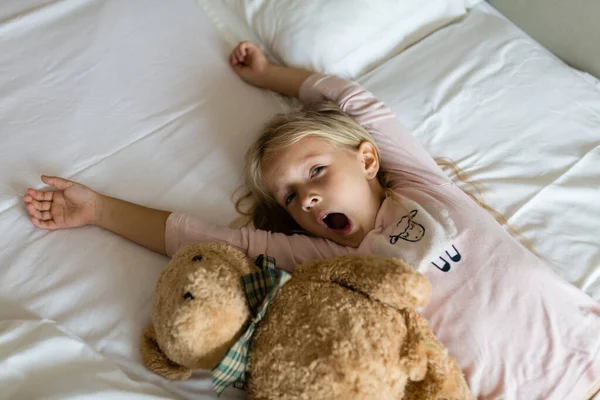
(336, 221)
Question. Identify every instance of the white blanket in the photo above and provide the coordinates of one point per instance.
(137, 101)
(519, 121)
(39, 359)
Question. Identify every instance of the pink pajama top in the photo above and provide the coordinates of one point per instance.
(517, 330)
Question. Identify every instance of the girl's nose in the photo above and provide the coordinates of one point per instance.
(310, 201)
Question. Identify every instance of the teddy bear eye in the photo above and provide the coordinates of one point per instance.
(197, 258)
(188, 296)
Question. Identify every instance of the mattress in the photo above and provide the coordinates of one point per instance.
(138, 102)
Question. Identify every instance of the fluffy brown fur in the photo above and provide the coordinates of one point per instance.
(343, 328)
(195, 333)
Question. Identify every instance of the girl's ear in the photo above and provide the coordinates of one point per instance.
(368, 156)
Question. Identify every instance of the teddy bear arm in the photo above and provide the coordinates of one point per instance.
(388, 280)
(156, 361)
(433, 374)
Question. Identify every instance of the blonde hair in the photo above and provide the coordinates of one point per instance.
(326, 121)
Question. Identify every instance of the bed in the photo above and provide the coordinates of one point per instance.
(138, 102)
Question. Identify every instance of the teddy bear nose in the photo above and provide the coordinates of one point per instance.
(188, 296)
(197, 258)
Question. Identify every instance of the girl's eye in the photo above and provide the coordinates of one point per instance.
(289, 198)
(316, 171)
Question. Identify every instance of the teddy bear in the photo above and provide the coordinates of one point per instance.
(342, 328)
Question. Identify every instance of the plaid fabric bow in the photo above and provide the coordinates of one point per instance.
(260, 288)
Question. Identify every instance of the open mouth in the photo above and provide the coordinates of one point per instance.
(337, 222)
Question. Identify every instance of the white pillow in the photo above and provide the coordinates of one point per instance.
(342, 37)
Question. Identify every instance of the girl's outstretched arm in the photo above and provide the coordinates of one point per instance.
(142, 225)
(72, 205)
(402, 156)
(251, 65)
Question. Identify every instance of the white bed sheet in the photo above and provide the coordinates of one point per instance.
(519, 121)
(38, 359)
(136, 100)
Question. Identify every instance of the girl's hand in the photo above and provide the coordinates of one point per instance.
(250, 63)
(70, 206)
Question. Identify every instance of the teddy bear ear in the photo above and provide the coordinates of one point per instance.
(156, 361)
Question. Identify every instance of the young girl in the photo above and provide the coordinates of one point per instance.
(353, 180)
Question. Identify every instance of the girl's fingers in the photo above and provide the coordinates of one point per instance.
(39, 205)
(238, 68)
(242, 50)
(51, 225)
(42, 205)
(233, 59)
(36, 222)
(57, 182)
(38, 214)
(34, 212)
(39, 195)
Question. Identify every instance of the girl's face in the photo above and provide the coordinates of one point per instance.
(331, 192)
